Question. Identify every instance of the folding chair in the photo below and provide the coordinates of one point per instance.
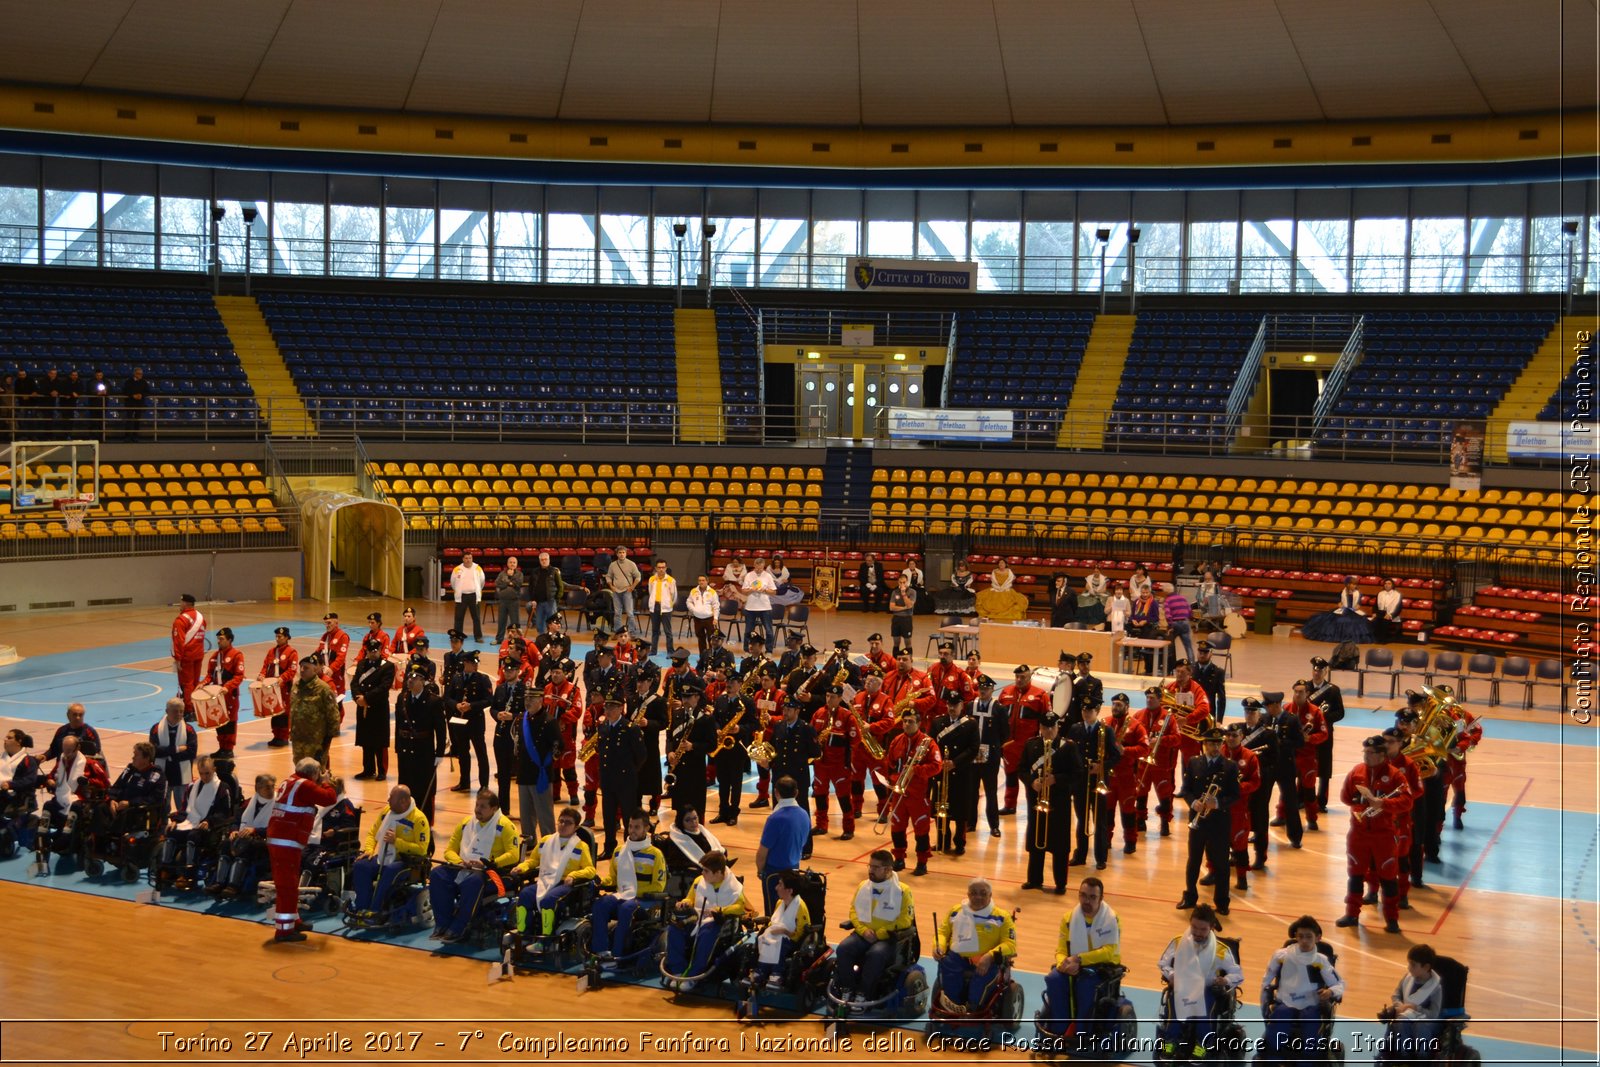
(1379, 661)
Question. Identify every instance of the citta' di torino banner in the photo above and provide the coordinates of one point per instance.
(911, 276)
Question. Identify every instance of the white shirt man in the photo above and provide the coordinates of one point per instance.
(758, 589)
(661, 600)
(467, 581)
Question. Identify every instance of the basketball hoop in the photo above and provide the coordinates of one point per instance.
(73, 511)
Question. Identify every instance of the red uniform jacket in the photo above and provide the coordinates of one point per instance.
(294, 810)
(380, 635)
(875, 713)
(1249, 772)
(281, 663)
(1026, 709)
(1315, 727)
(899, 686)
(1413, 777)
(562, 702)
(189, 635)
(1161, 729)
(624, 651)
(1384, 780)
(1135, 745)
(884, 660)
(952, 677)
(1195, 720)
(841, 741)
(901, 750)
(405, 639)
(769, 710)
(334, 645)
(227, 670)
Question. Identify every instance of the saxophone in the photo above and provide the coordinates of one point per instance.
(591, 744)
(727, 735)
(870, 743)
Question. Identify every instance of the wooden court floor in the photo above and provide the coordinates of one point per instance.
(1514, 900)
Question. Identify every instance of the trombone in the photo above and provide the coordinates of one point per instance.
(1041, 788)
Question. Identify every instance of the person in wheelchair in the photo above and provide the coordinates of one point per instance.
(134, 803)
(881, 911)
(1090, 942)
(563, 860)
(975, 946)
(1413, 1011)
(683, 845)
(715, 896)
(638, 875)
(206, 809)
(779, 935)
(76, 777)
(485, 842)
(19, 781)
(1298, 992)
(244, 849)
(397, 847)
(1199, 970)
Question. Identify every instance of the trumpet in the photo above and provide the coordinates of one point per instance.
(1211, 793)
(1372, 799)
(901, 784)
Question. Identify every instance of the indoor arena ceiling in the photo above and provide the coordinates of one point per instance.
(830, 62)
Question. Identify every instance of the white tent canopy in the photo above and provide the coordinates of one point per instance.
(364, 539)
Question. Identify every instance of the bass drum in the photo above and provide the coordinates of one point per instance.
(1234, 625)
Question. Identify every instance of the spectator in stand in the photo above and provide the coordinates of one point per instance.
(1001, 578)
(1386, 616)
(95, 392)
(873, 586)
(136, 394)
(25, 389)
(8, 407)
(1177, 611)
(1118, 608)
(546, 588)
(758, 589)
(70, 406)
(51, 393)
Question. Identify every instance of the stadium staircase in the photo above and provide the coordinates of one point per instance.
(1104, 359)
(1539, 379)
(847, 480)
(264, 367)
(699, 375)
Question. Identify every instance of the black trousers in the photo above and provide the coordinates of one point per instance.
(731, 768)
(1260, 817)
(874, 599)
(1288, 784)
(1103, 825)
(988, 777)
(469, 602)
(461, 737)
(1055, 841)
(1324, 769)
(505, 767)
(617, 798)
(1209, 841)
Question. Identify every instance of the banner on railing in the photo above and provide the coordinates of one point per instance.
(1466, 456)
(911, 275)
(946, 424)
(1547, 440)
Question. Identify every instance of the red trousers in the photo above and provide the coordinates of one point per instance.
(913, 813)
(1161, 777)
(832, 770)
(228, 731)
(1305, 765)
(286, 884)
(1372, 853)
(189, 671)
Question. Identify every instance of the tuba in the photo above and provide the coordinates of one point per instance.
(1434, 732)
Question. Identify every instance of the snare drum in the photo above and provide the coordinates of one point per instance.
(1234, 626)
(210, 706)
(266, 697)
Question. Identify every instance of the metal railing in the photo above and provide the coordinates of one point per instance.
(48, 538)
(802, 326)
(1333, 387)
(1248, 379)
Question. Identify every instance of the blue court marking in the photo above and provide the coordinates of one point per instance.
(1359, 1036)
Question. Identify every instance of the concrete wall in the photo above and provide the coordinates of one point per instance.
(138, 580)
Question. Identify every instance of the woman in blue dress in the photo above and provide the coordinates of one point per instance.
(1346, 622)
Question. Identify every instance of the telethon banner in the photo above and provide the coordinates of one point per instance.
(1547, 440)
(949, 424)
(911, 275)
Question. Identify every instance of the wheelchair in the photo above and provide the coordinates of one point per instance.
(801, 979)
(1449, 1046)
(731, 932)
(1002, 1005)
(178, 871)
(645, 945)
(902, 992)
(560, 946)
(325, 867)
(1108, 1034)
(241, 864)
(1327, 1049)
(127, 840)
(1227, 1049)
(17, 828)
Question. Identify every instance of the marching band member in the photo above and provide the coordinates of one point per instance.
(554, 645)
(716, 894)
(956, 734)
(1281, 770)
(281, 662)
(974, 943)
(715, 656)
(756, 657)
(561, 861)
(419, 738)
(638, 871)
(993, 726)
(485, 842)
(946, 675)
(188, 649)
(334, 646)
(594, 712)
(1210, 788)
(736, 715)
(794, 745)
(313, 713)
(873, 708)
(375, 632)
(1188, 692)
(879, 656)
(881, 909)
(408, 639)
(648, 709)
(227, 670)
(420, 660)
(453, 658)
(791, 657)
(538, 744)
(1373, 790)
(1454, 771)
(294, 810)
(620, 751)
(802, 682)
(626, 652)
(1126, 774)
(370, 685)
(1427, 815)
(1097, 745)
(510, 698)
(1025, 705)
(1315, 732)
(1051, 770)
(1090, 936)
(1213, 679)
(1327, 696)
(1394, 744)
(1161, 726)
(914, 759)
(769, 701)
(176, 745)
(561, 703)
(468, 697)
(691, 738)
(1240, 815)
(833, 726)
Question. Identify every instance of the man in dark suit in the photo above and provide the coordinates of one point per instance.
(870, 580)
(1210, 786)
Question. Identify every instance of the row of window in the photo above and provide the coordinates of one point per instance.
(1502, 238)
